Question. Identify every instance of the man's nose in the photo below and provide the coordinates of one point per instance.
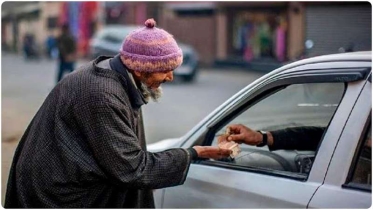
(169, 76)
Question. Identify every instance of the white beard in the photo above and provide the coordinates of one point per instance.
(149, 93)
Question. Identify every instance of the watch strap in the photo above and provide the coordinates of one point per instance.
(265, 139)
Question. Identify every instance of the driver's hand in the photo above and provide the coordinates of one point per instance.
(242, 134)
(212, 152)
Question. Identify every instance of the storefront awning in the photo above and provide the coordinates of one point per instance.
(17, 9)
(191, 6)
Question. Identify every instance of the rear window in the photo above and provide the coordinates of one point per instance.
(115, 34)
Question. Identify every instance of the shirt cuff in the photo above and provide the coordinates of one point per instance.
(193, 153)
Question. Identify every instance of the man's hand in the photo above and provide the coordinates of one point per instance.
(223, 143)
(212, 152)
(222, 138)
(242, 134)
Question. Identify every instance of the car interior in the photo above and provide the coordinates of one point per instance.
(312, 104)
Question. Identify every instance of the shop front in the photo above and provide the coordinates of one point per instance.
(257, 33)
(341, 27)
(81, 17)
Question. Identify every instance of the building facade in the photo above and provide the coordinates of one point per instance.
(42, 19)
(222, 32)
(268, 32)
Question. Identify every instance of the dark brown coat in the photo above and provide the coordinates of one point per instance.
(86, 148)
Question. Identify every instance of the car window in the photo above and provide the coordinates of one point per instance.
(115, 34)
(296, 106)
(111, 38)
(362, 169)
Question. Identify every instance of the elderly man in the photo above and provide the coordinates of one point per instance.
(86, 148)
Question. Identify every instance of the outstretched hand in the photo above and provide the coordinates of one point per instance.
(242, 134)
(212, 152)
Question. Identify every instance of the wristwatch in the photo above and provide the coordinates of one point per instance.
(265, 139)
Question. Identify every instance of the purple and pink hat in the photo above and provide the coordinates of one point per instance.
(150, 49)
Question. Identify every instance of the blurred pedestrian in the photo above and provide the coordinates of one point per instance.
(51, 46)
(26, 46)
(67, 51)
(29, 47)
(86, 148)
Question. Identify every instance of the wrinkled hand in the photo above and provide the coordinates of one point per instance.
(242, 134)
(223, 143)
(212, 152)
(222, 138)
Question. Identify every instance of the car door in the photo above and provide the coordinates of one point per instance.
(348, 183)
(316, 98)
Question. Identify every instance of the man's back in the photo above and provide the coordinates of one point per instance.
(54, 164)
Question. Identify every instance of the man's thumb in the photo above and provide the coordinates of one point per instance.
(235, 137)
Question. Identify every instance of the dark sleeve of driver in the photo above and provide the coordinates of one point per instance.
(297, 138)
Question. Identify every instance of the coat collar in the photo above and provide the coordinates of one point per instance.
(115, 64)
(137, 99)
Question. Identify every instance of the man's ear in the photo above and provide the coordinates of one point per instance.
(137, 74)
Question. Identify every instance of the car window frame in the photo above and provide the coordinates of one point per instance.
(331, 72)
(259, 95)
(348, 183)
(351, 72)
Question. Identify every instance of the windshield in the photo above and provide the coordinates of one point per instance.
(117, 33)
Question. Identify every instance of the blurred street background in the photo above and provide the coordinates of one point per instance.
(229, 45)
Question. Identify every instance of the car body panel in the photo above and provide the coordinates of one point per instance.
(237, 190)
(210, 185)
(332, 194)
(353, 130)
(334, 131)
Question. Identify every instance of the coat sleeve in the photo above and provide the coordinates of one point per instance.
(108, 131)
(297, 138)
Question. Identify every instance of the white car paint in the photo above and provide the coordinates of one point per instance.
(210, 185)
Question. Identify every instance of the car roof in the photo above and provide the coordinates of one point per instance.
(120, 31)
(117, 26)
(340, 57)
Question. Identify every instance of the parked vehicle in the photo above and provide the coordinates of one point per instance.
(333, 91)
(108, 40)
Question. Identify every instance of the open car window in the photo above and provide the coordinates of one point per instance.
(297, 105)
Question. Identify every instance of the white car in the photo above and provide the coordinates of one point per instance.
(333, 91)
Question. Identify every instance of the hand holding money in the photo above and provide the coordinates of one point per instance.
(223, 143)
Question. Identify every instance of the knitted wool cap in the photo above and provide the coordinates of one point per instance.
(150, 49)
